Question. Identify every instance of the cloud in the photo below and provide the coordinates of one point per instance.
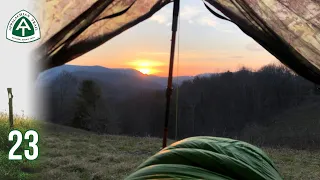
(254, 47)
(192, 15)
(219, 25)
(226, 29)
(162, 17)
(159, 18)
(207, 21)
(197, 15)
(188, 12)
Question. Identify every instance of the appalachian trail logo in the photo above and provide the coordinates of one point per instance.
(23, 28)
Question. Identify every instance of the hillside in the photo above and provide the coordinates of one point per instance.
(120, 101)
(129, 77)
(297, 127)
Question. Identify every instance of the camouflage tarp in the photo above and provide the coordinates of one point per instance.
(288, 29)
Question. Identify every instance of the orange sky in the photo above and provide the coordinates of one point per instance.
(160, 68)
(190, 63)
(205, 44)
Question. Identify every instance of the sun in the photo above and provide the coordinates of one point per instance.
(145, 70)
(146, 66)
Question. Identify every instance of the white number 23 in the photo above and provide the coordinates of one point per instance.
(32, 144)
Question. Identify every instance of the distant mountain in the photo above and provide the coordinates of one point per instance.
(116, 77)
(54, 72)
(115, 83)
(164, 80)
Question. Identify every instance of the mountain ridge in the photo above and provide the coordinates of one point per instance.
(97, 72)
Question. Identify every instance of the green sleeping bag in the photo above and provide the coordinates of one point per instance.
(208, 158)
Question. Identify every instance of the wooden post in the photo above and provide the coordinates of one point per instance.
(10, 96)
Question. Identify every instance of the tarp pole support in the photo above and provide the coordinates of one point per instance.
(176, 9)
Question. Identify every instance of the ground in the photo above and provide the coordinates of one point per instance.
(12, 170)
(68, 153)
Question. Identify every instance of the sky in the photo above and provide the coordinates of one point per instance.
(205, 44)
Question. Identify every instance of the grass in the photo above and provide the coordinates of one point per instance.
(15, 169)
(68, 153)
(297, 128)
(296, 164)
(75, 154)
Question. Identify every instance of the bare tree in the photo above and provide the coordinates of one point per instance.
(62, 93)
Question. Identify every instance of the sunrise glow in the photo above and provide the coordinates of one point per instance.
(146, 48)
(145, 70)
(146, 66)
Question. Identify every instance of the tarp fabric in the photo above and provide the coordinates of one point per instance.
(288, 29)
(208, 158)
(71, 28)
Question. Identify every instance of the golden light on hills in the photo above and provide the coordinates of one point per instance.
(146, 66)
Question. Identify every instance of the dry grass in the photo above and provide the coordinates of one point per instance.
(296, 164)
(73, 154)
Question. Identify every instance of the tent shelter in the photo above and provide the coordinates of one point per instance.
(288, 29)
